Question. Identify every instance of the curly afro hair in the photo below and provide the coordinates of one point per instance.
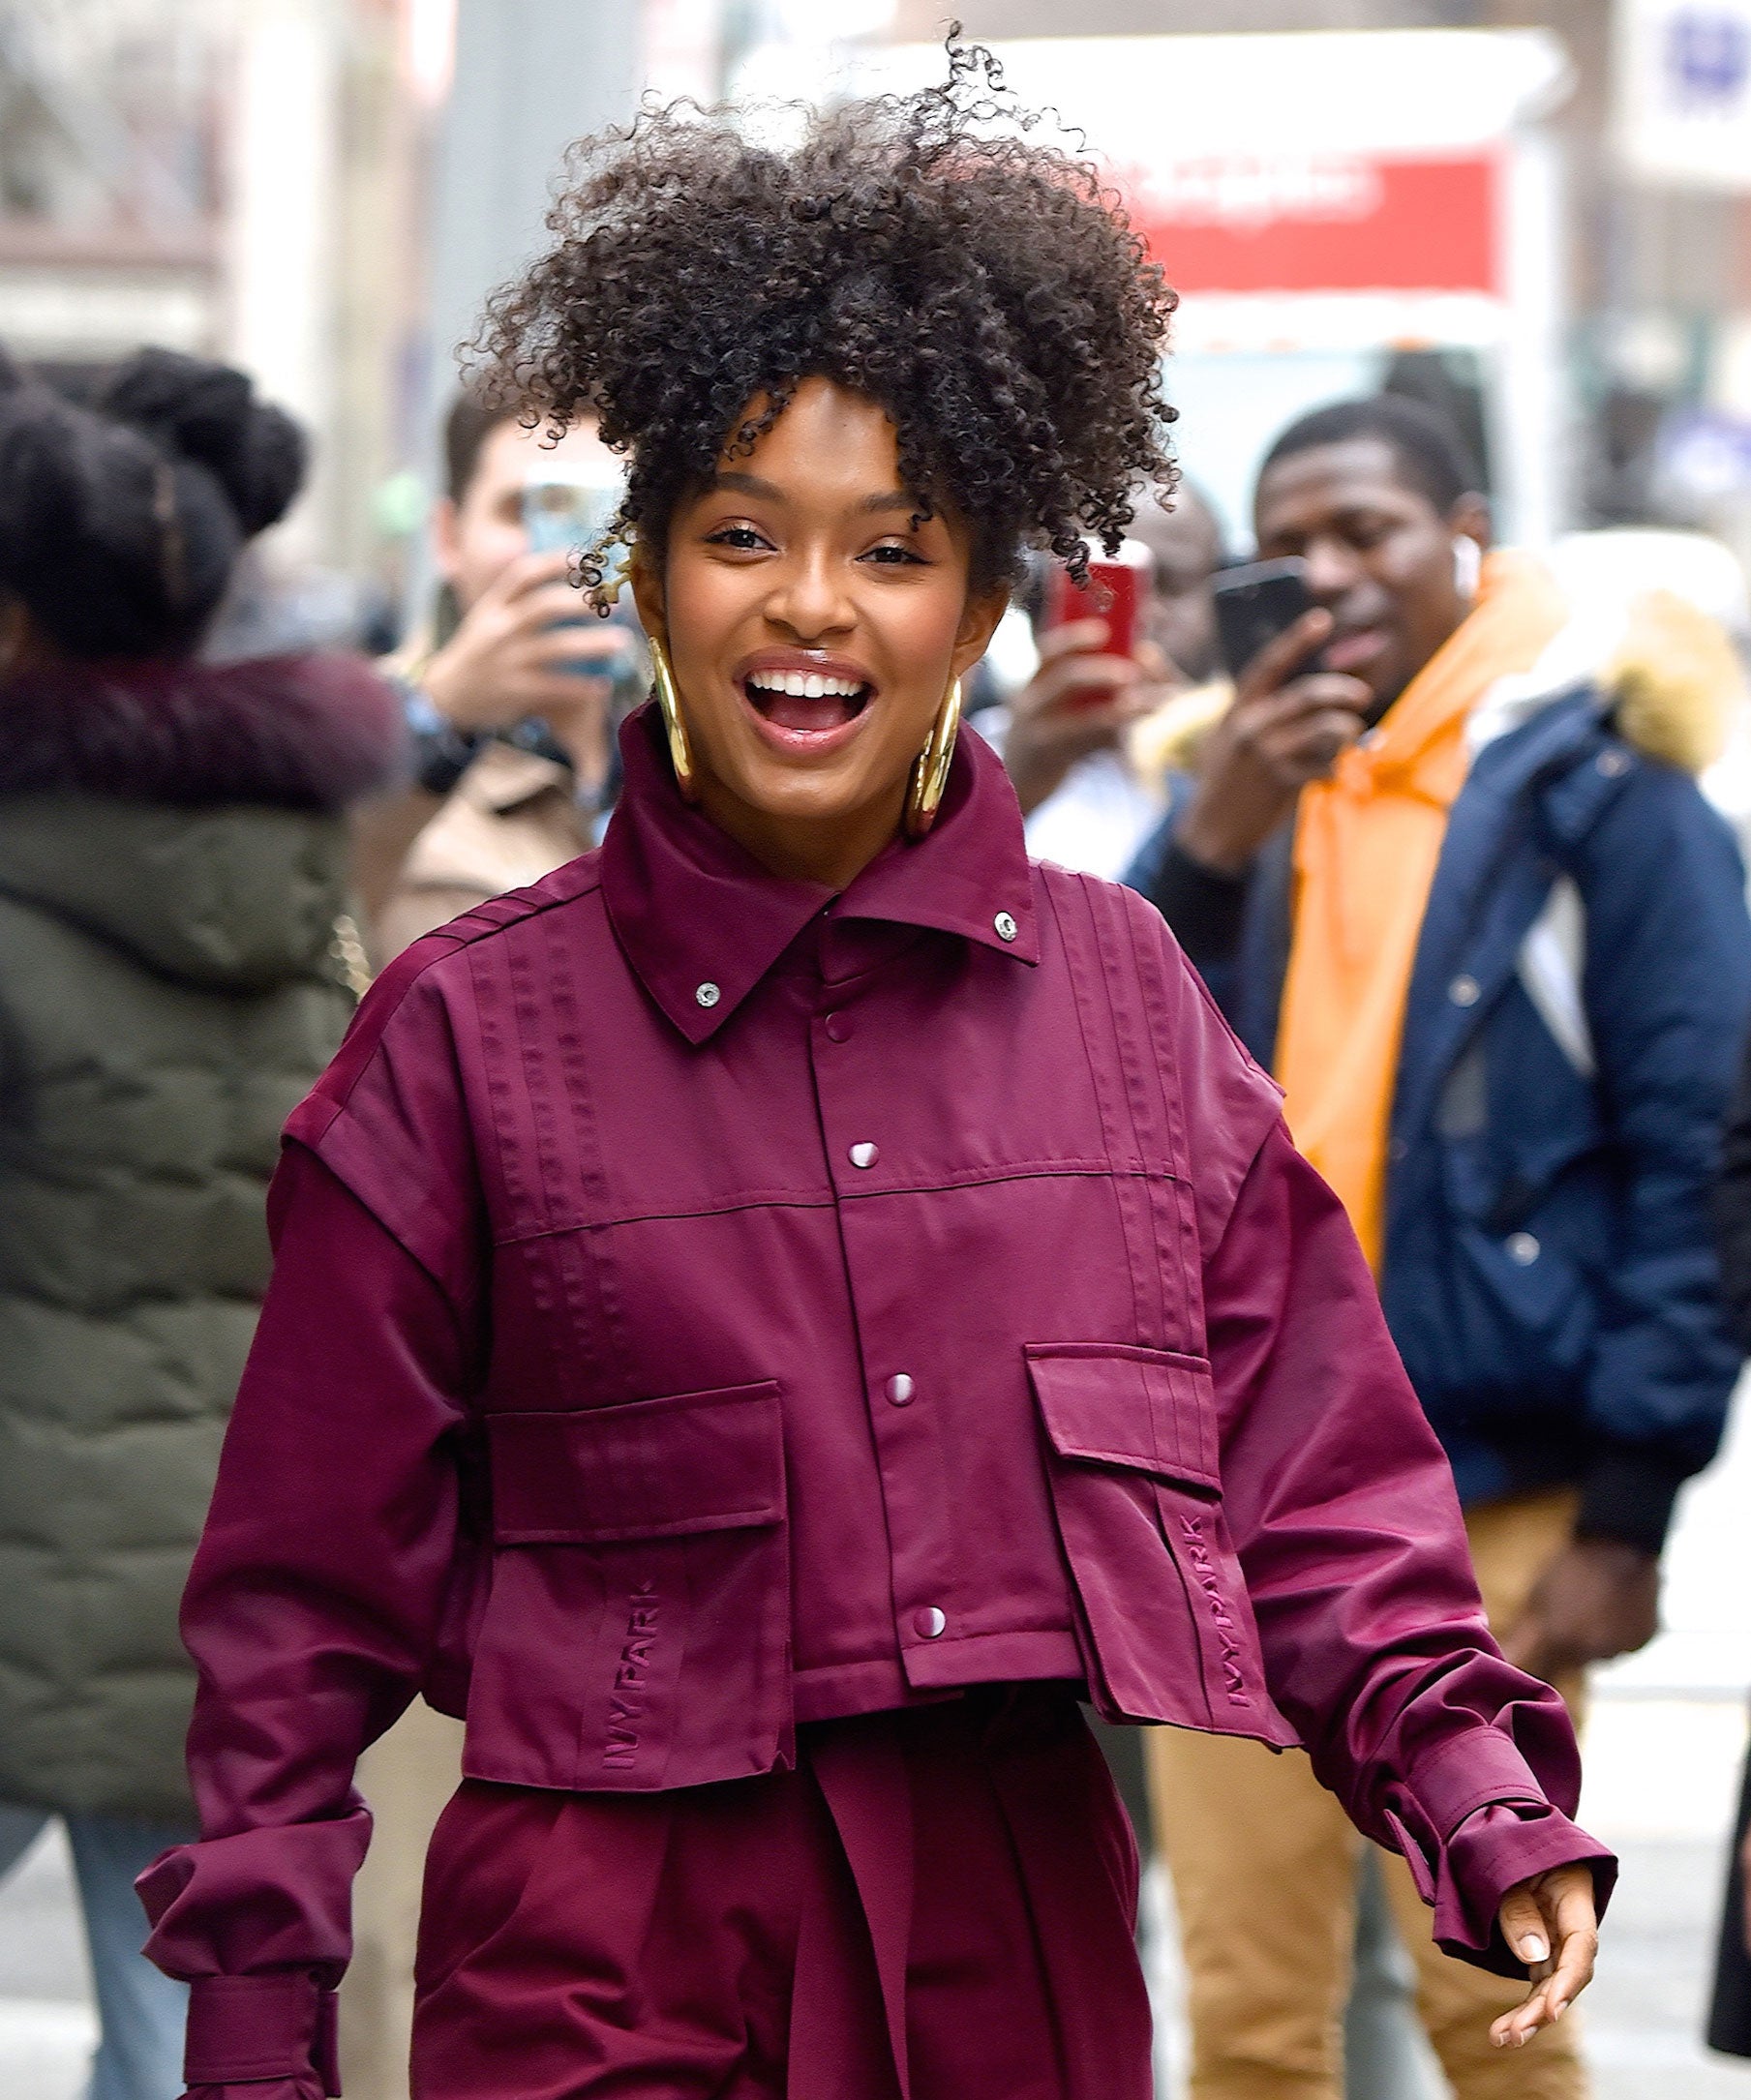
(923, 249)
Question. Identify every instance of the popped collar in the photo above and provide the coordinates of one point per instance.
(702, 922)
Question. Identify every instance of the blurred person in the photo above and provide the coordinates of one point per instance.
(511, 646)
(172, 876)
(1088, 803)
(1446, 867)
(844, 1421)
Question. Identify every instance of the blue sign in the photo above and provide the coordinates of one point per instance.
(1708, 58)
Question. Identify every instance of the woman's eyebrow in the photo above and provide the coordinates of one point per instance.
(753, 484)
(748, 485)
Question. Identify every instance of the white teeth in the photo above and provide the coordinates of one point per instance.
(805, 684)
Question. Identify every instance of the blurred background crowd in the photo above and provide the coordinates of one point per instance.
(1525, 229)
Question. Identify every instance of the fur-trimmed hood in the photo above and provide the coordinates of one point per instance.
(1667, 677)
(190, 814)
(315, 731)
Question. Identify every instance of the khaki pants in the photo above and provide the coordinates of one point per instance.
(407, 1778)
(1264, 1866)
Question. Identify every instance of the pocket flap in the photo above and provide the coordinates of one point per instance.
(644, 1469)
(1149, 1409)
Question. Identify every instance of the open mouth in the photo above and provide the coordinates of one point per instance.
(807, 703)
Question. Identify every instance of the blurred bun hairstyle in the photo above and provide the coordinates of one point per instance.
(120, 524)
(927, 250)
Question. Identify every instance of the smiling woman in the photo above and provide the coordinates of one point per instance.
(771, 1316)
(817, 623)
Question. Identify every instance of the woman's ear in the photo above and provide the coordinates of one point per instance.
(648, 593)
(977, 625)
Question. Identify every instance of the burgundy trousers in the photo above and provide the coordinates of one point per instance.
(935, 1904)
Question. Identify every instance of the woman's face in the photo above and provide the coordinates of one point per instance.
(814, 624)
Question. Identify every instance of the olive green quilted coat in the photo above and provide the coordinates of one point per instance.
(168, 994)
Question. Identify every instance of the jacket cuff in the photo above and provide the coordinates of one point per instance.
(243, 2028)
(1495, 1847)
(1471, 1821)
(1627, 1494)
(1203, 907)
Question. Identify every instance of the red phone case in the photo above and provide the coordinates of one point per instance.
(1114, 593)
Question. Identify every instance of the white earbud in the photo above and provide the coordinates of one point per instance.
(1467, 565)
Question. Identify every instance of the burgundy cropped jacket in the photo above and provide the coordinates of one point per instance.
(706, 1304)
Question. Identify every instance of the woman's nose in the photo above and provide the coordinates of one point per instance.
(809, 600)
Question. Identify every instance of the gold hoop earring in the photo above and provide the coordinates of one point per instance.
(668, 706)
(930, 768)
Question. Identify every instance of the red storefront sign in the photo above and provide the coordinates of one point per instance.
(1322, 221)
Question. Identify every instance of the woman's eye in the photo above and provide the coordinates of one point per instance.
(742, 538)
(891, 553)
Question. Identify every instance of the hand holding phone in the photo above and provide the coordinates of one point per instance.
(1113, 596)
(1256, 602)
(1290, 721)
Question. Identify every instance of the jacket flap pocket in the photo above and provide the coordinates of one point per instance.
(1149, 1409)
(646, 1469)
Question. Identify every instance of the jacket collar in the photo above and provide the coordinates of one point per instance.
(702, 921)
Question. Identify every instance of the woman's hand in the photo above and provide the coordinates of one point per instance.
(1552, 1924)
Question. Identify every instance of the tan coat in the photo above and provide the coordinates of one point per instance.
(511, 818)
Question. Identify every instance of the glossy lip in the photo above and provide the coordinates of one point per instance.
(802, 742)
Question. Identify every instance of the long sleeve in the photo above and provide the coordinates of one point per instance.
(1344, 1517)
(312, 1612)
(1668, 989)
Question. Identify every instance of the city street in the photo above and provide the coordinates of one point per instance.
(1663, 1747)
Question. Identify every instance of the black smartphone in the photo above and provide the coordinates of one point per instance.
(1254, 604)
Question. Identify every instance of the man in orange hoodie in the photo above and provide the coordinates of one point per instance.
(1441, 871)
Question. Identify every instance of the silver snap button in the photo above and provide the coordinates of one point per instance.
(929, 1623)
(1007, 928)
(1465, 991)
(1612, 763)
(900, 1388)
(1523, 1249)
(708, 994)
(865, 1155)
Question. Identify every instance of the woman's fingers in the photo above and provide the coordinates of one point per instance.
(1577, 1934)
(1523, 1925)
(1552, 1924)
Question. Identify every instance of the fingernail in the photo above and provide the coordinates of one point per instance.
(1533, 1948)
